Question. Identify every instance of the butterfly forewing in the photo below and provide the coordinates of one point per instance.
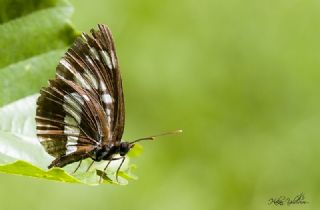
(84, 106)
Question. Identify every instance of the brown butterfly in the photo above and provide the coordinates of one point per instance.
(81, 113)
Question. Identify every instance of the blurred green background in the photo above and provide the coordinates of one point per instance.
(241, 78)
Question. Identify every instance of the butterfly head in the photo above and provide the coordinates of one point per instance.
(124, 148)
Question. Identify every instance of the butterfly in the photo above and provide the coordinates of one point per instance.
(81, 113)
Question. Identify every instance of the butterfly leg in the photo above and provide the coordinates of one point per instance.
(104, 170)
(90, 165)
(77, 167)
(123, 159)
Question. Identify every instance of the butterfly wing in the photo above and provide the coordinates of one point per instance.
(83, 107)
(102, 50)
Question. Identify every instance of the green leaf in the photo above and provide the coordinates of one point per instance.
(34, 34)
(136, 151)
(22, 154)
(24, 168)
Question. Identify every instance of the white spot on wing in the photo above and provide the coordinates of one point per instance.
(71, 130)
(84, 37)
(89, 60)
(94, 53)
(106, 58)
(77, 97)
(109, 120)
(90, 78)
(103, 86)
(78, 78)
(69, 120)
(75, 115)
(66, 64)
(73, 100)
(86, 97)
(70, 148)
(108, 116)
(113, 59)
(81, 81)
(106, 98)
(71, 105)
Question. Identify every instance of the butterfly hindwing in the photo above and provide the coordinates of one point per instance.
(62, 119)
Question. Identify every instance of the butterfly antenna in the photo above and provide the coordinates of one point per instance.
(155, 136)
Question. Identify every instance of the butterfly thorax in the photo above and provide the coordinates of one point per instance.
(107, 152)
